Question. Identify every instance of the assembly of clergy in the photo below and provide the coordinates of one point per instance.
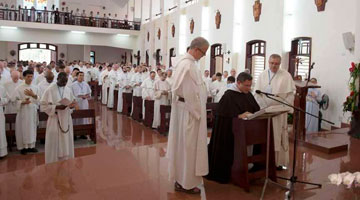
(29, 87)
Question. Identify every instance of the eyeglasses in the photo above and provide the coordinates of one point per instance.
(203, 53)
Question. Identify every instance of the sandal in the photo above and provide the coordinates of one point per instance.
(179, 188)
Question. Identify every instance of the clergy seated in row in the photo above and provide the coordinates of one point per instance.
(215, 87)
(3, 144)
(229, 81)
(49, 78)
(58, 102)
(162, 96)
(82, 92)
(104, 77)
(27, 100)
(147, 89)
(113, 78)
(312, 106)
(10, 87)
(124, 82)
(280, 83)
(236, 102)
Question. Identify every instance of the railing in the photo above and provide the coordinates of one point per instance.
(66, 18)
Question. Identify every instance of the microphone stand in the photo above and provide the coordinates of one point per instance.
(293, 179)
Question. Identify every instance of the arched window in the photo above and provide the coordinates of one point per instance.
(37, 52)
(300, 57)
(92, 57)
(216, 59)
(255, 57)
(158, 56)
(171, 55)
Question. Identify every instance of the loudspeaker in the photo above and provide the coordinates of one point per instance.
(349, 40)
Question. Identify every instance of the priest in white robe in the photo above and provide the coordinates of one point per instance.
(27, 101)
(187, 143)
(278, 82)
(162, 96)
(10, 87)
(312, 106)
(3, 144)
(169, 76)
(82, 92)
(136, 81)
(216, 86)
(147, 90)
(59, 140)
(114, 84)
(104, 76)
(124, 87)
(49, 78)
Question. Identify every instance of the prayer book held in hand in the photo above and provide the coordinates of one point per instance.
(65, 102)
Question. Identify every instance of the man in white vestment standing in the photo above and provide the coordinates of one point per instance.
(59, 142)
(10, 87)
(3, 144)
(27, 100)
(278, 82)
(162, 96)
(49, 78)
(82, 93)
(124, 87)
(113, 77)
(147, 90)
(216, 86)
(187, 143)
(104, 76)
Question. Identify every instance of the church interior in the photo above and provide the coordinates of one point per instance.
(125, 48)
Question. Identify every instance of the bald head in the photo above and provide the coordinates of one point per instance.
(67, 70)
(15, 75)
(49, 76)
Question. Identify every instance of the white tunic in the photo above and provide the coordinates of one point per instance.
(79, 89)
(160, 99)
(280, 84)
(312, 106)
(10, 87)
(215, 88)
(42, 87)
(113, 76)
(26, 118)
(104, 76)
(39, 79)
(58, 145)
(187, 143)
(136, 81)
(3, 144)
(147, 92)
(123, 81)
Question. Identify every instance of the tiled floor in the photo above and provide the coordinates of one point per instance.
(129, 163)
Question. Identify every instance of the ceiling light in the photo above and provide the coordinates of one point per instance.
(78, 32)
(8, 27)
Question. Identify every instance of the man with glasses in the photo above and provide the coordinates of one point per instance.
(187, 144)
(280, 83)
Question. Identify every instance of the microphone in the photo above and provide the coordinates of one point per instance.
(265, 93)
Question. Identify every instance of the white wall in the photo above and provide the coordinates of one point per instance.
(109, 54)
(328, 51)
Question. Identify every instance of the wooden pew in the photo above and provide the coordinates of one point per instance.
(210, 113)
(149, 113)
(116, 93)
(165, 121)
(10, 120)
(79, 129)
(251, 132)
(137, 111)
(127, 101)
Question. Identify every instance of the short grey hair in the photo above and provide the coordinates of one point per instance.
(275, 56)
(199, 42)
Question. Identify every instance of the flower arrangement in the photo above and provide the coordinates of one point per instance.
(346, 178)
(351, 103)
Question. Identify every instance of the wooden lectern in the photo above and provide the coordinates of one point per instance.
(127, 101)
(137, 110)
(300, 102)
(251, 132)
(149, 113)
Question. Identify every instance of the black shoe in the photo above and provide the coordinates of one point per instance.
(23, 151)
(83, 137)
(2, 157)
(280, 168)
(33, 150)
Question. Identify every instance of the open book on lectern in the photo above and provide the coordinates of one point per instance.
(269, 110)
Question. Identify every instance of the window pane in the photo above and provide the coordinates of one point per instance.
(42, 46)
(33, 45)
(258, 66)
(37, 55)
(51, 47)
(23, 46)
